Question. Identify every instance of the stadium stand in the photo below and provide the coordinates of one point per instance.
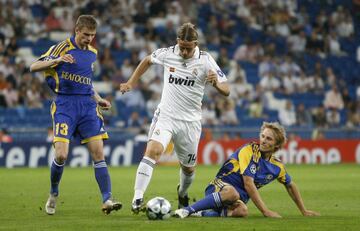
(259, 35)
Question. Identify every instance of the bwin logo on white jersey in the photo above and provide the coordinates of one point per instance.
(180, 81)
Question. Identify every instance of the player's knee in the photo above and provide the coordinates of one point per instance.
(154, 150)
(61, 158)
(188, 170)
(240, 211)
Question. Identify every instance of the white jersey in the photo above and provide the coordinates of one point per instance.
(184, 82)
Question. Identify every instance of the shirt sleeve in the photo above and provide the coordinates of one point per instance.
(158, 56)
(212, 65)
(54, 52)
(284, 177)
(247, 166)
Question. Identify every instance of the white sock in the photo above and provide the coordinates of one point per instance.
(143, 176)
(185, 182)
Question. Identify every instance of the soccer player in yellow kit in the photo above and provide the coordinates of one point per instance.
(68, 68)
(243, 173)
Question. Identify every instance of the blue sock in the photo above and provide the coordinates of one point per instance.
(56, 172)
(210, 213)
(103, 179)
(211, 201)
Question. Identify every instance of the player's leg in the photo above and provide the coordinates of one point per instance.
(63, 129)
(102, 176)
(186, 140)
(56, 171)
(187, 175)
(91, 130)
(153, 151)
(159, 137)
(217, 197)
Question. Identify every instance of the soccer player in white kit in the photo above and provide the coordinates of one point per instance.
(186, 72)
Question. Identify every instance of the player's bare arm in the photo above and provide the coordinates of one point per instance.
(140, 69)
(295, 195)
(256, 198)
(42, 65)
(103, 103)
(223, 88)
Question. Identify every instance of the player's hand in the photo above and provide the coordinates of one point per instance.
(309, 213)
(272, 214)
(65, 58)
(125, 87)
(104, 104)
(211, 78)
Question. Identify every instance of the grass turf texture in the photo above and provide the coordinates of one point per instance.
(333, 190)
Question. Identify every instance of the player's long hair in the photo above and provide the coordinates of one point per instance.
(87, 21)
(187, 32)
(279, 133)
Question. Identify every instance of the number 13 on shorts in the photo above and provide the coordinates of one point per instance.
(61, 128)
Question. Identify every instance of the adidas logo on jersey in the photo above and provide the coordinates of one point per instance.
(180, 81)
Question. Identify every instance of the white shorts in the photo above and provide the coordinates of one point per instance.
(184, 134)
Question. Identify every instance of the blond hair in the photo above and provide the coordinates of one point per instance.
(87, 21)
(187, 32)
(279, 133)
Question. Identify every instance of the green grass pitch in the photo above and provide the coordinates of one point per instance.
(333, 190)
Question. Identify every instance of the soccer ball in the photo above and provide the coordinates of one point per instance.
(158, 208)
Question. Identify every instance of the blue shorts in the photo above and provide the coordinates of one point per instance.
(77, 116)
(217, 185)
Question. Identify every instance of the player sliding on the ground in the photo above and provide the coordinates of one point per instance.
(243, 173)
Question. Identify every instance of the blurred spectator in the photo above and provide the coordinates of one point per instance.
(333, 99)
(250, 52)
(287, 115)
(316, 84)
(5, 136)
(353, 115)
(133, 98)
(270, 83)
(11, 95)
(236, 72)
(333, 45)
(209, 114)
(303, 116)
(319, 117)
(228, 115)
(152, 103)
(33, 96)
(51, 22)
(333, 117)
(111, 114)
(297, 43)
(135, 121)
(256, 109)
(66, 21)
(330, 76)
(317, 134)
(12, 48)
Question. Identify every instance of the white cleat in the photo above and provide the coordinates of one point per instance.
(181, 213)
(51, 204)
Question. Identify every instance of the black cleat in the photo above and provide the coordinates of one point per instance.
(138, 206)
(183, 201)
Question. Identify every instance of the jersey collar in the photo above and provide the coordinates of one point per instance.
(196, 53)
(72, 40)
